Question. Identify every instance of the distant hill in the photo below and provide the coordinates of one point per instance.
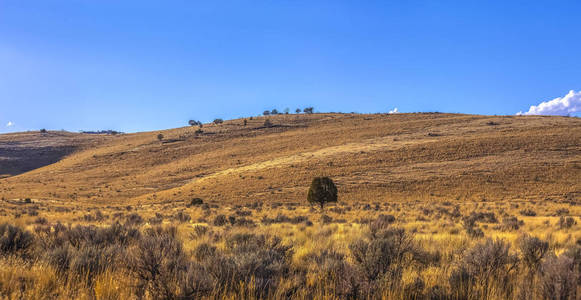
(377, 157)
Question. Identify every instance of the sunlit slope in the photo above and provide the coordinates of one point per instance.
(371, 157)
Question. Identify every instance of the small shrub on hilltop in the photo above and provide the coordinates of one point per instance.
(194, 123)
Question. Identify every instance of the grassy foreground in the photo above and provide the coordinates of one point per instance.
(399, 250)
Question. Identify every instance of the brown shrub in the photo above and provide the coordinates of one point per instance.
(486, 265)
(559, 278)
(157, 261)
(15, 240)
(566, 222)
(220, 220)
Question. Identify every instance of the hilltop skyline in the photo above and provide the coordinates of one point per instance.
(136, 66)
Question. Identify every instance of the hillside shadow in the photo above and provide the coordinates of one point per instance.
(16, 160)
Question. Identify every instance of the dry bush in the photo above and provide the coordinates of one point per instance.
(510, 223)
(559, 278)
(384, 256)
(566, 222)
(335, 273)
(472, 228)
(200, 231)
(89, 261)
(243, 213)
(414, 289)
(484, 217)
(528, 212)
(156, 262)
(14, 240)
(260, 259)
(84, 252)
(486, 268)
(220, 220)
(133, 219)
(533, 250)
(182, 217)
(325, 219)
(246, 222)
(382, 222)
(280, 218)
(195, 202)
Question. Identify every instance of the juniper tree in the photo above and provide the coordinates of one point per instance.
(322, 191)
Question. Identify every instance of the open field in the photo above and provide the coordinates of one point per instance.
(431, 206)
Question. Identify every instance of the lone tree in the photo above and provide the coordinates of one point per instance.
(160, 137)
(308, 110)
(322, 191)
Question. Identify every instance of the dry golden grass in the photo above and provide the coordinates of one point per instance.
(430, 171)
(434, 226)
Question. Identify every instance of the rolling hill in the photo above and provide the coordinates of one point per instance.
(372, 158)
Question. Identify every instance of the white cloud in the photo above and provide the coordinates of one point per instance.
(393, 111)
(9, 124)
(562, 106)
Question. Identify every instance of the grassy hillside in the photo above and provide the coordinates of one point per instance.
(431, 206)
(371, 157)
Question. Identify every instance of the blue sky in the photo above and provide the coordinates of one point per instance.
(145, 65)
